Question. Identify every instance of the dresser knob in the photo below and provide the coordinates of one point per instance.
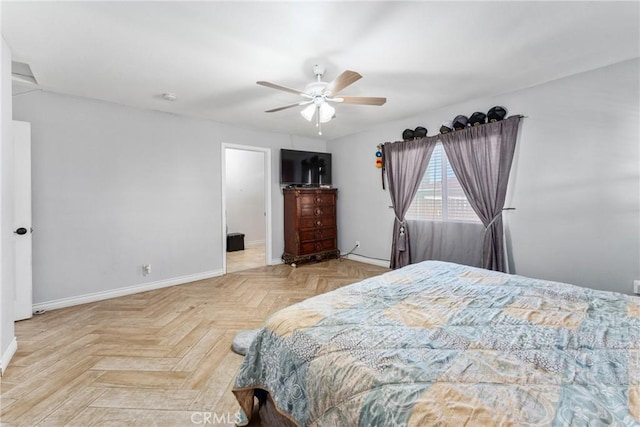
(318, 223)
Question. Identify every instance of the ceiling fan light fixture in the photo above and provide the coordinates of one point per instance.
(327, 113)
(308, 112)
(319, 94)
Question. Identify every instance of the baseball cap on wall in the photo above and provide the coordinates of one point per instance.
(420, 132)
(407, 135)
(446, 127)
(496, 114)
(460, 122)
(477, 118)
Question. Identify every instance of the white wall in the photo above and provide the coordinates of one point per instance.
(575, 181)
(7, 260)
(245, 194)
(116, 187)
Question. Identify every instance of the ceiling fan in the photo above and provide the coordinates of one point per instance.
(318, 95)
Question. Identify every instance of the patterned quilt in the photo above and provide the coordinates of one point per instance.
(444, 344)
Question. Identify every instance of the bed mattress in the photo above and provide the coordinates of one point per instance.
(437, 343)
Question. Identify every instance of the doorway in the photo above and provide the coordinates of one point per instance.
(246, 207)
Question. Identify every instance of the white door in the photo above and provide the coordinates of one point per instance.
(22, 216)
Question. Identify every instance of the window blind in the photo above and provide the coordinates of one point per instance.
(440, 196)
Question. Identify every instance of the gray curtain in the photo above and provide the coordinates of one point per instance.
(452, 241)
(405, 164)
(481, 159)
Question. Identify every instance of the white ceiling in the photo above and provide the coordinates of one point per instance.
(420, 55)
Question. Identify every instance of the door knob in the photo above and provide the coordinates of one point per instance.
(21, 231)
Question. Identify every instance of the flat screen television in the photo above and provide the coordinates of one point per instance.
(304, 168)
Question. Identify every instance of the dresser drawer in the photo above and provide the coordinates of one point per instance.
(317, 199)
(317, 210)
(317, 234)
(317, 246)
(317, 222)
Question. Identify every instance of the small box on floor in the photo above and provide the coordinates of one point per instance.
(235, 242)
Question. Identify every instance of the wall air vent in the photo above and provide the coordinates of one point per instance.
(21, 72)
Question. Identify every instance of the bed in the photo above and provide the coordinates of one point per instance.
(438, 343)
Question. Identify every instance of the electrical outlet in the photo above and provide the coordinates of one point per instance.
(636, 287)
(146, 269)
(357, 243)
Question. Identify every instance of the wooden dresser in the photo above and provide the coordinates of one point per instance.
(310, 230)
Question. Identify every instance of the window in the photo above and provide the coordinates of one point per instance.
(440, 196)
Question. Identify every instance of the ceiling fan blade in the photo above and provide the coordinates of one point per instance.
(343, 80)
(288, 106)
(284, 88)
(362, 100)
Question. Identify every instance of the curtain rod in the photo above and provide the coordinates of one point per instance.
(392, 142)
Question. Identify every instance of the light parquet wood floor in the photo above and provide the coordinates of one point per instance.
(156, 358)
(250, 257)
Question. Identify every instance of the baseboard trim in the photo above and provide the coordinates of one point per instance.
(372, 261)
(276, 261)
(129, 290)
(8, 355)
(254, 243)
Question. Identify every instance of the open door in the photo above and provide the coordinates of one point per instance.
(22, 217)
(246, 207)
